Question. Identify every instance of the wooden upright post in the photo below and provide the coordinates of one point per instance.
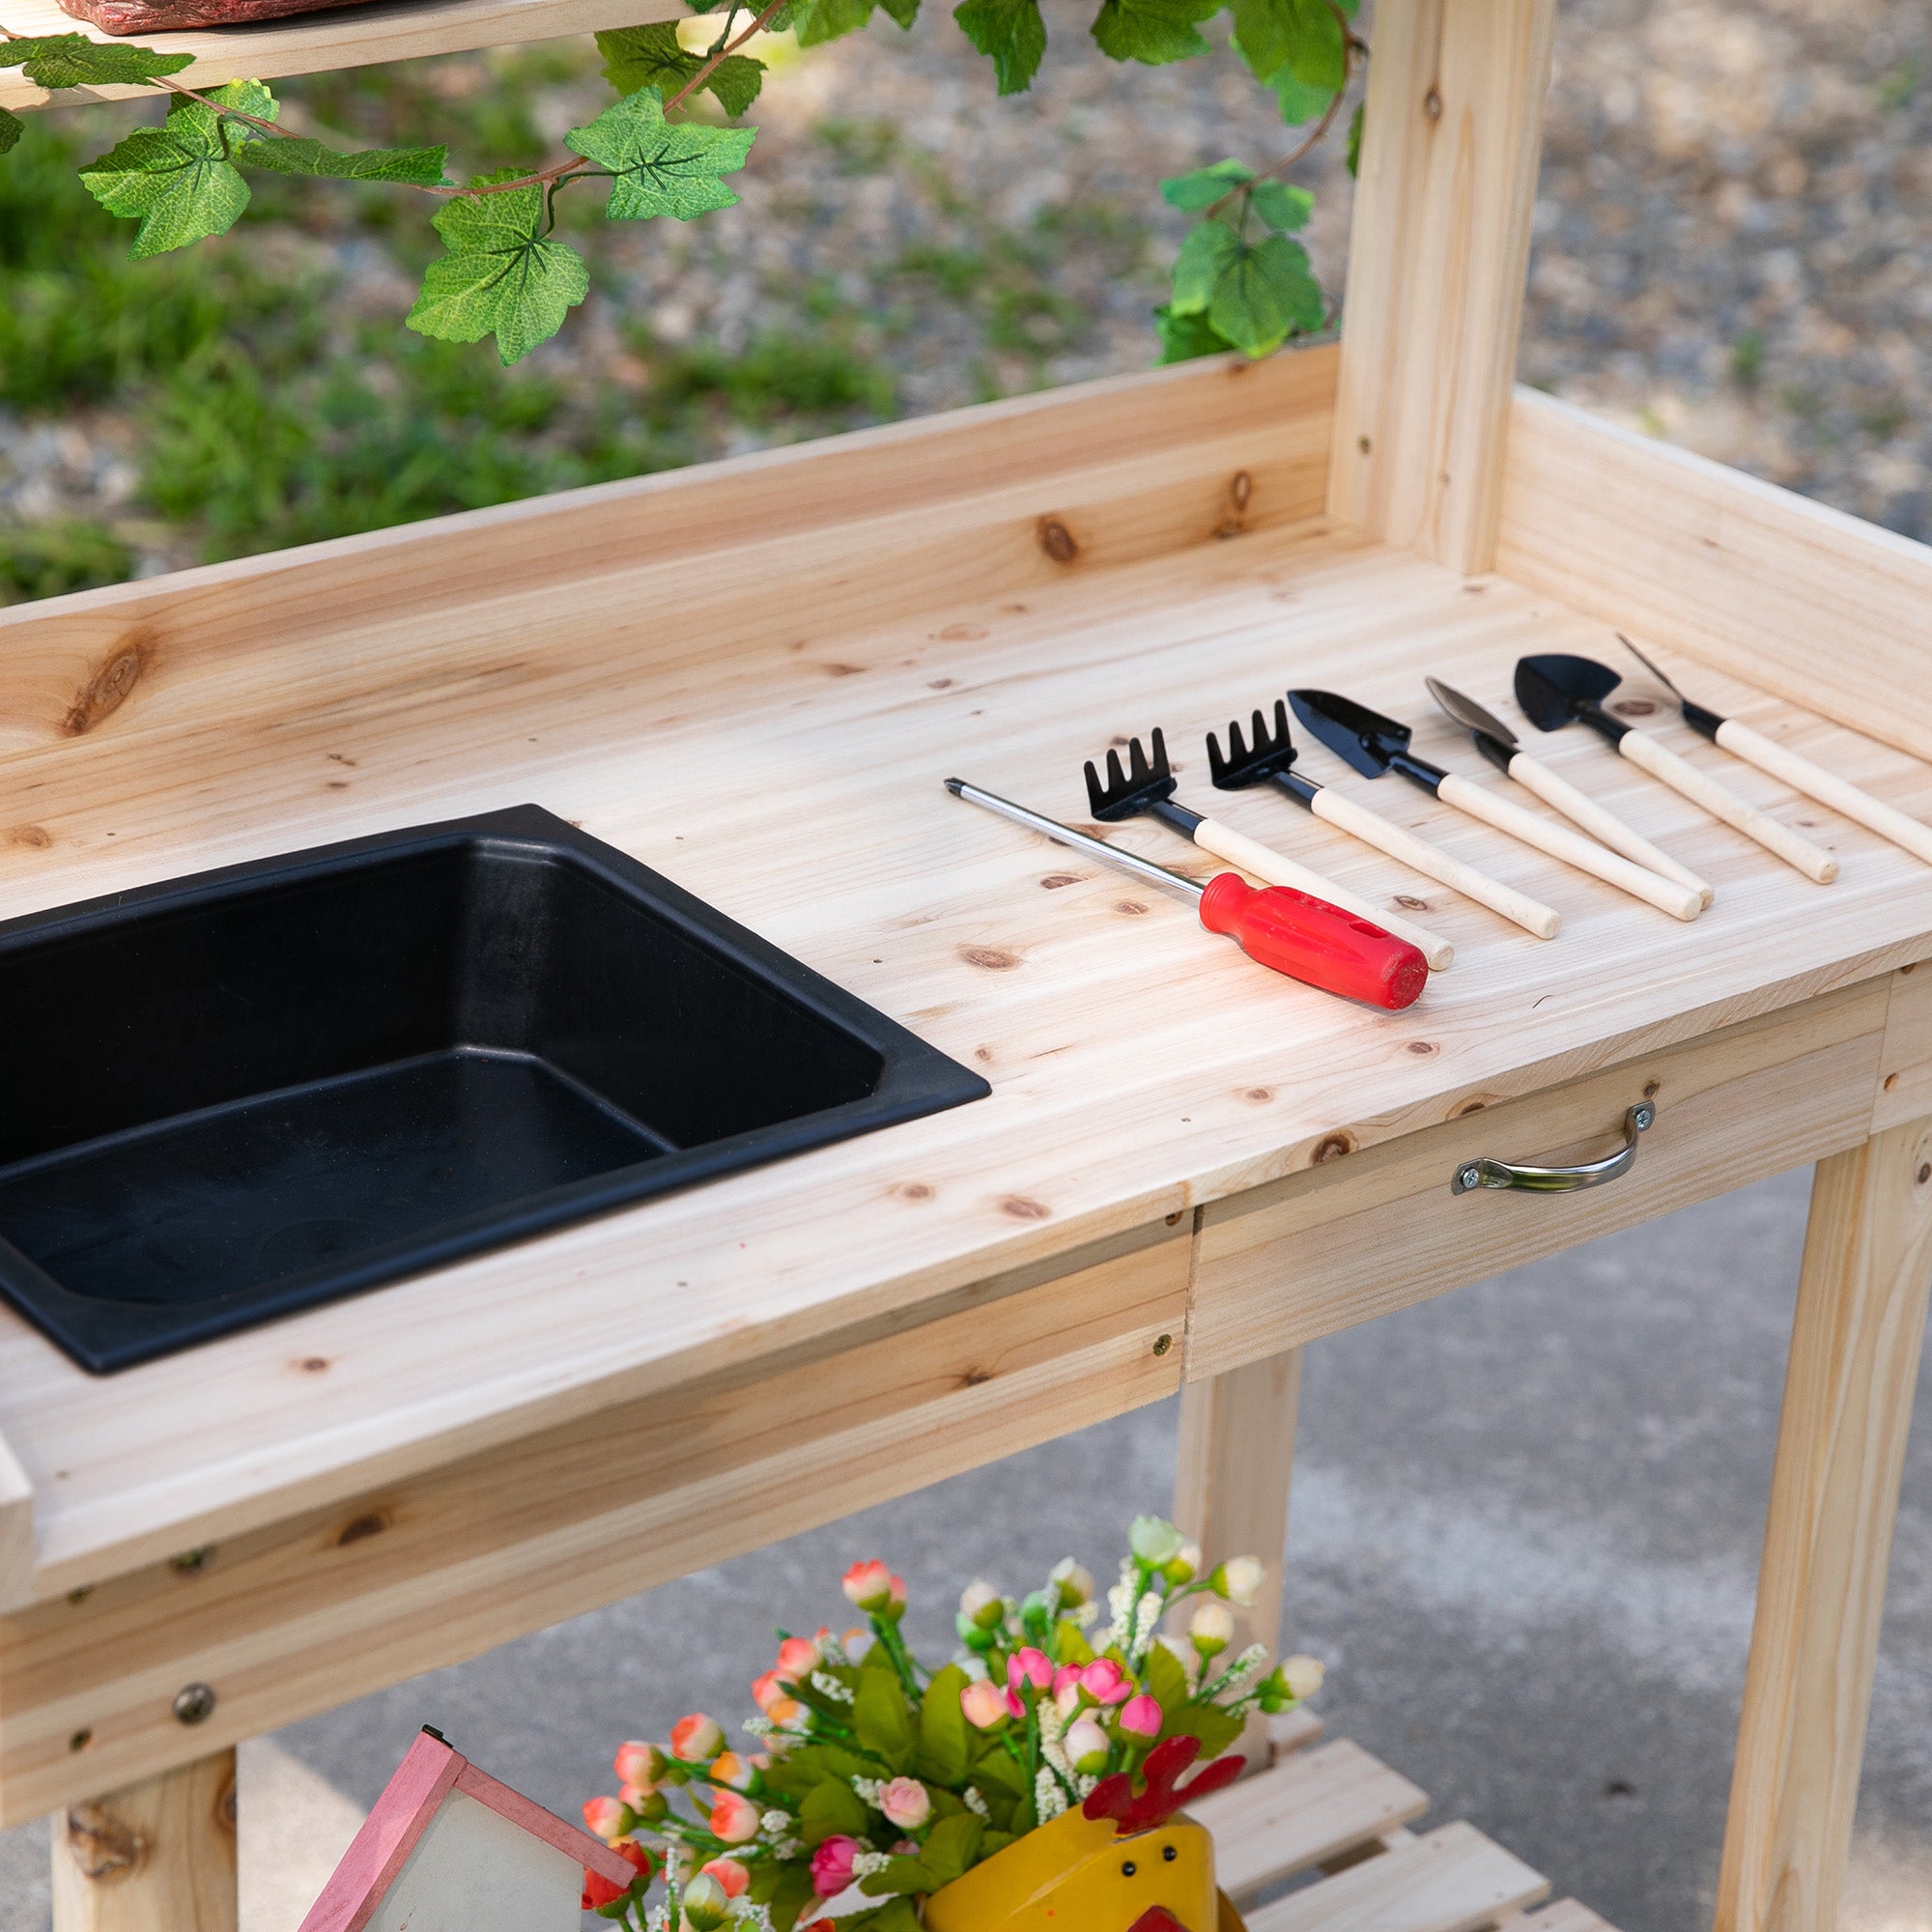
(1437, 263)
(159, 1857)
(1848, 1392)
(1236, 1462)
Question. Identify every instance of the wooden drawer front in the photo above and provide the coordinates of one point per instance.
(1380, 1230)
(296, 1619)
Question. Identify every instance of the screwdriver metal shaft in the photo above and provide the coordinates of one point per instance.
(1081, 841)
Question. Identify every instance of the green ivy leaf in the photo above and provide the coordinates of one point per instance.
(903, 11)
(653, 56)
(1152, 32)
(179, 180)
(12, 128)
(1205, 256)
(1205, 186)
(73, 60)
(661, 168)
(1183, 337)
(1299, 103)
(1266, 294)
(1010, 33)
(1281, 205)
(499, 276)
(419, 167)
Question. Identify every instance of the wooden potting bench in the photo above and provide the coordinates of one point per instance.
(753, 676)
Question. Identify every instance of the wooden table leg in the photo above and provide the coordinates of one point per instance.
(1855, 1347)
(159, 1857)
(1231, 1484)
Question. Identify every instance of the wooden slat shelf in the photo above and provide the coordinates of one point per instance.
(360, 36)
(1334, 1810)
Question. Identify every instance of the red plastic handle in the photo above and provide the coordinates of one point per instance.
(1311, 940)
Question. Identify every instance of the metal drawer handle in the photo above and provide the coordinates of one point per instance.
(1486, 1173)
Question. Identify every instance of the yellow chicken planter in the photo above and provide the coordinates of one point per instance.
(1125, 1861)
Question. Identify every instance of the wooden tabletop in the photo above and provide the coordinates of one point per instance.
(787, 769)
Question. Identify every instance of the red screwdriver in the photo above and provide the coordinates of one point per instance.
(1289, 931)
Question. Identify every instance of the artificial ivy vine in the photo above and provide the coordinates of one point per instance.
(1240, 281)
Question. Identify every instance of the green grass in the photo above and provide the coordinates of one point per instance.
(47, 559)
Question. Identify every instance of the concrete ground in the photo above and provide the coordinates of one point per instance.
(1524, 1536)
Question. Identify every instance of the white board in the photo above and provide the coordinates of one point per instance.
(474, 1872)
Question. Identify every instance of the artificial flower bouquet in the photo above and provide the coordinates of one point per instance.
(873, 1783)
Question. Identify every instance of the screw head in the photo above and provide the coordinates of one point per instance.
(1162, 1343)
(195, 1703)
(1471, 1177)
(1643, 1115)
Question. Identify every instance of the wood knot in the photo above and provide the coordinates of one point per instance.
(913, 1190)
(372, 1522)
(1131, 907)
(993, 959)
(984, 1053)
(1024, 1208)
(1634, 707)
(837, 669)
(961, 634)
(1241, 490)
(106, 691)
(1652, 1088)
(1463, 1109)
(1925, 1173)
(104, 1848)
(1057, 540)
(1409, 902)
(1332, 1147)
(939, 684)
(1053, 881)
(35, 835)
(1422, 1048)
(972, 1379)
(313, 1365)
(1260, 1095)
(1890, 1081)
(1432, 104)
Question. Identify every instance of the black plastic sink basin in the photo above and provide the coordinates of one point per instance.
(245, 1093)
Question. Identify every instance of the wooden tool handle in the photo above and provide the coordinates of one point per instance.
(1603, 825)
(1346, 815)
(1661, 762)
(1277, 869)
(1571, 847)
(1826, 787)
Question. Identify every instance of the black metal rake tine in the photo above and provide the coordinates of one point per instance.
(1273, 751)
(1134, 787)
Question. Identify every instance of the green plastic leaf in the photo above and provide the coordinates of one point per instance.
(661, 167)
(950, 1849)
(640, 57)
(1010, 33)
(881, 1720)
(829, 1809)
(499, 276)
(12, 128)
(1183, 337)
(179, 180)
(73, 60)
(1214, 1727)
(1281, 205)
(1265, 295)
(420, 167)
(822, 20)
(1166, 1682)
(1152, 32)
(1204, 186)
(1205, 256)
(942, 1726)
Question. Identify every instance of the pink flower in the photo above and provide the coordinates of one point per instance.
(768, 1690)
(906, 1803)
(798, 1657)
(606, 1818)
(1141, 1716)
(729, 1769)
(832, 1865)
(1016, 1704)
(1066, 1678)
(734, 1818)
(855, 1644)
(639, 1765)
(985, 1704)
(728, 1873)
(1027, 1668)
(789, 1714)
(1067, 1700)
(696, 1739)
(1086, 1745)
(1105, 1682)
(868, 1586)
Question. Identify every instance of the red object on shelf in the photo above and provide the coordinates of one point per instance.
(1309, 940)
(158, 16)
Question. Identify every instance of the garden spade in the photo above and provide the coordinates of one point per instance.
(1801, 774)
(1271, 761)
(1148, 789)
(1374, 744)
(1557, 689)
(1498, 744)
